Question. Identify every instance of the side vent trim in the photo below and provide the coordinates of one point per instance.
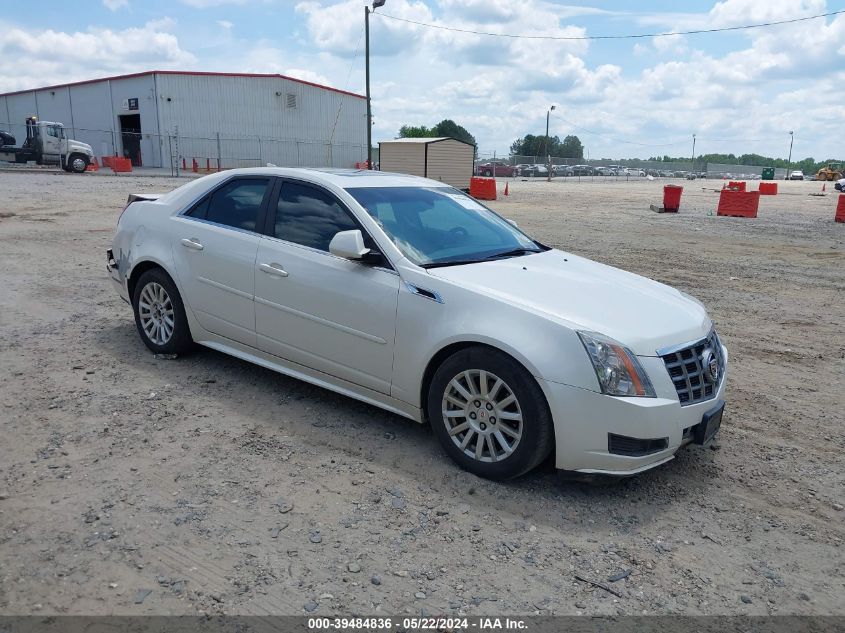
(425, 293)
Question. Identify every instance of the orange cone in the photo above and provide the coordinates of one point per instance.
(93, 165)
(506, 189)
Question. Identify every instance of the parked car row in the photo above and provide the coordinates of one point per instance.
(501, 169)
(528, 170)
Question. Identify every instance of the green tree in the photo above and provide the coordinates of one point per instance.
(531, 145)
(415, 131)
(447, 127)
(571, 148)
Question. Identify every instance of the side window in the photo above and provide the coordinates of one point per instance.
(308, 216)
(237, 203)
(51, 131)
(200, 209)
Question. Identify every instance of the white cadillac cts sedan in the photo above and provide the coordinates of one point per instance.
(412, 296)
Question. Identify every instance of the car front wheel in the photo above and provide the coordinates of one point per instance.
(77, 163)
(489, 414)
(160, 315)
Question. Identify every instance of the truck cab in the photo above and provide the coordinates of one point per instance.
(47, 144)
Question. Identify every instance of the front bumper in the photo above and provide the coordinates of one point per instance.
(585, 419)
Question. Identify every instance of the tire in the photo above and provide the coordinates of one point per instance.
(488, 173)
(77, 163)
(525, 426)
(149, 289)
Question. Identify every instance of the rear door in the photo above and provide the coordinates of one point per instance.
(313, 308)
(214, 246)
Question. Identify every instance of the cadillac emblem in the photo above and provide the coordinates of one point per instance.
(710, 366)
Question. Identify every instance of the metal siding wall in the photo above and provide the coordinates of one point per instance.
(402, 158)
(20, 106)
(243, 108)
(451, 162)
(93, 118)
(142, 88)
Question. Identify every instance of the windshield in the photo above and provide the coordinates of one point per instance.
(439, 226)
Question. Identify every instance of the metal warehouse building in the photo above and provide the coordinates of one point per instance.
(157, 118)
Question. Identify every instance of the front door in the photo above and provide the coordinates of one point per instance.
(214, 247)
(52, 138)
(313, 308)
(130, 138)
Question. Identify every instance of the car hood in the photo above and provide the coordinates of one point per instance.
(638, 312)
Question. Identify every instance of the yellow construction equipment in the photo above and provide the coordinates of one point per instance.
(833, 171)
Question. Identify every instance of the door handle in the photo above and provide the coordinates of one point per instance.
(192, 243)
(273, 269)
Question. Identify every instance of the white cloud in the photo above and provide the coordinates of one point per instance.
(59, 57)
(752, 84)
(205, 4)
(307, 75)
(114, 5)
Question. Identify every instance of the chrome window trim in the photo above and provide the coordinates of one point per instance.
(318, 251)
(222, 226)
(208, 192)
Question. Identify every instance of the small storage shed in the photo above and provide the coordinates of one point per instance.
(441, 158)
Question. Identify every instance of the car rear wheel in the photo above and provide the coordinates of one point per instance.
(489, 414)
(160, 314)
(488, 173)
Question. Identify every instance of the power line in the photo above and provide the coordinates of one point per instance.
(609, 37)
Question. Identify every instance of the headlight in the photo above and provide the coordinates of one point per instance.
(617, 368)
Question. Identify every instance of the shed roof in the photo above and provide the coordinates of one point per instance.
(425, 140)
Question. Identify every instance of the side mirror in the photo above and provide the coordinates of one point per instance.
(348, 244)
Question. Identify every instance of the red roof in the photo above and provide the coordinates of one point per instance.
(186, 72)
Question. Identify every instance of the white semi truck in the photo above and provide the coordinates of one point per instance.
(47, 144)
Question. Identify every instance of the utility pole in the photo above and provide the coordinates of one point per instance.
(693, 154)
(376, 5)
(548, 156)
(789, 160)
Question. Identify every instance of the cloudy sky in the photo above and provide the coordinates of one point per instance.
(740, 91)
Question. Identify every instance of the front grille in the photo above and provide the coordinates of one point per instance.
(634, 447)
(688, 374)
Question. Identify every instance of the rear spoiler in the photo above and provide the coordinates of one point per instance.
(139, 197)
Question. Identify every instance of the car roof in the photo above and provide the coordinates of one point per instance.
(345, 178)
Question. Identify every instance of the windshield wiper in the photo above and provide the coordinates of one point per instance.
(453, 262)
(516, 252)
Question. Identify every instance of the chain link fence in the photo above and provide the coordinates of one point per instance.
(208, 153)
(627, 168)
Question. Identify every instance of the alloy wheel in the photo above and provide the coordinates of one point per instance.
(155, 310)
(482, 415)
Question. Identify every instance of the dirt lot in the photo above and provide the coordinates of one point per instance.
(134, 485)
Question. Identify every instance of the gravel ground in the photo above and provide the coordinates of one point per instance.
(136, 485)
